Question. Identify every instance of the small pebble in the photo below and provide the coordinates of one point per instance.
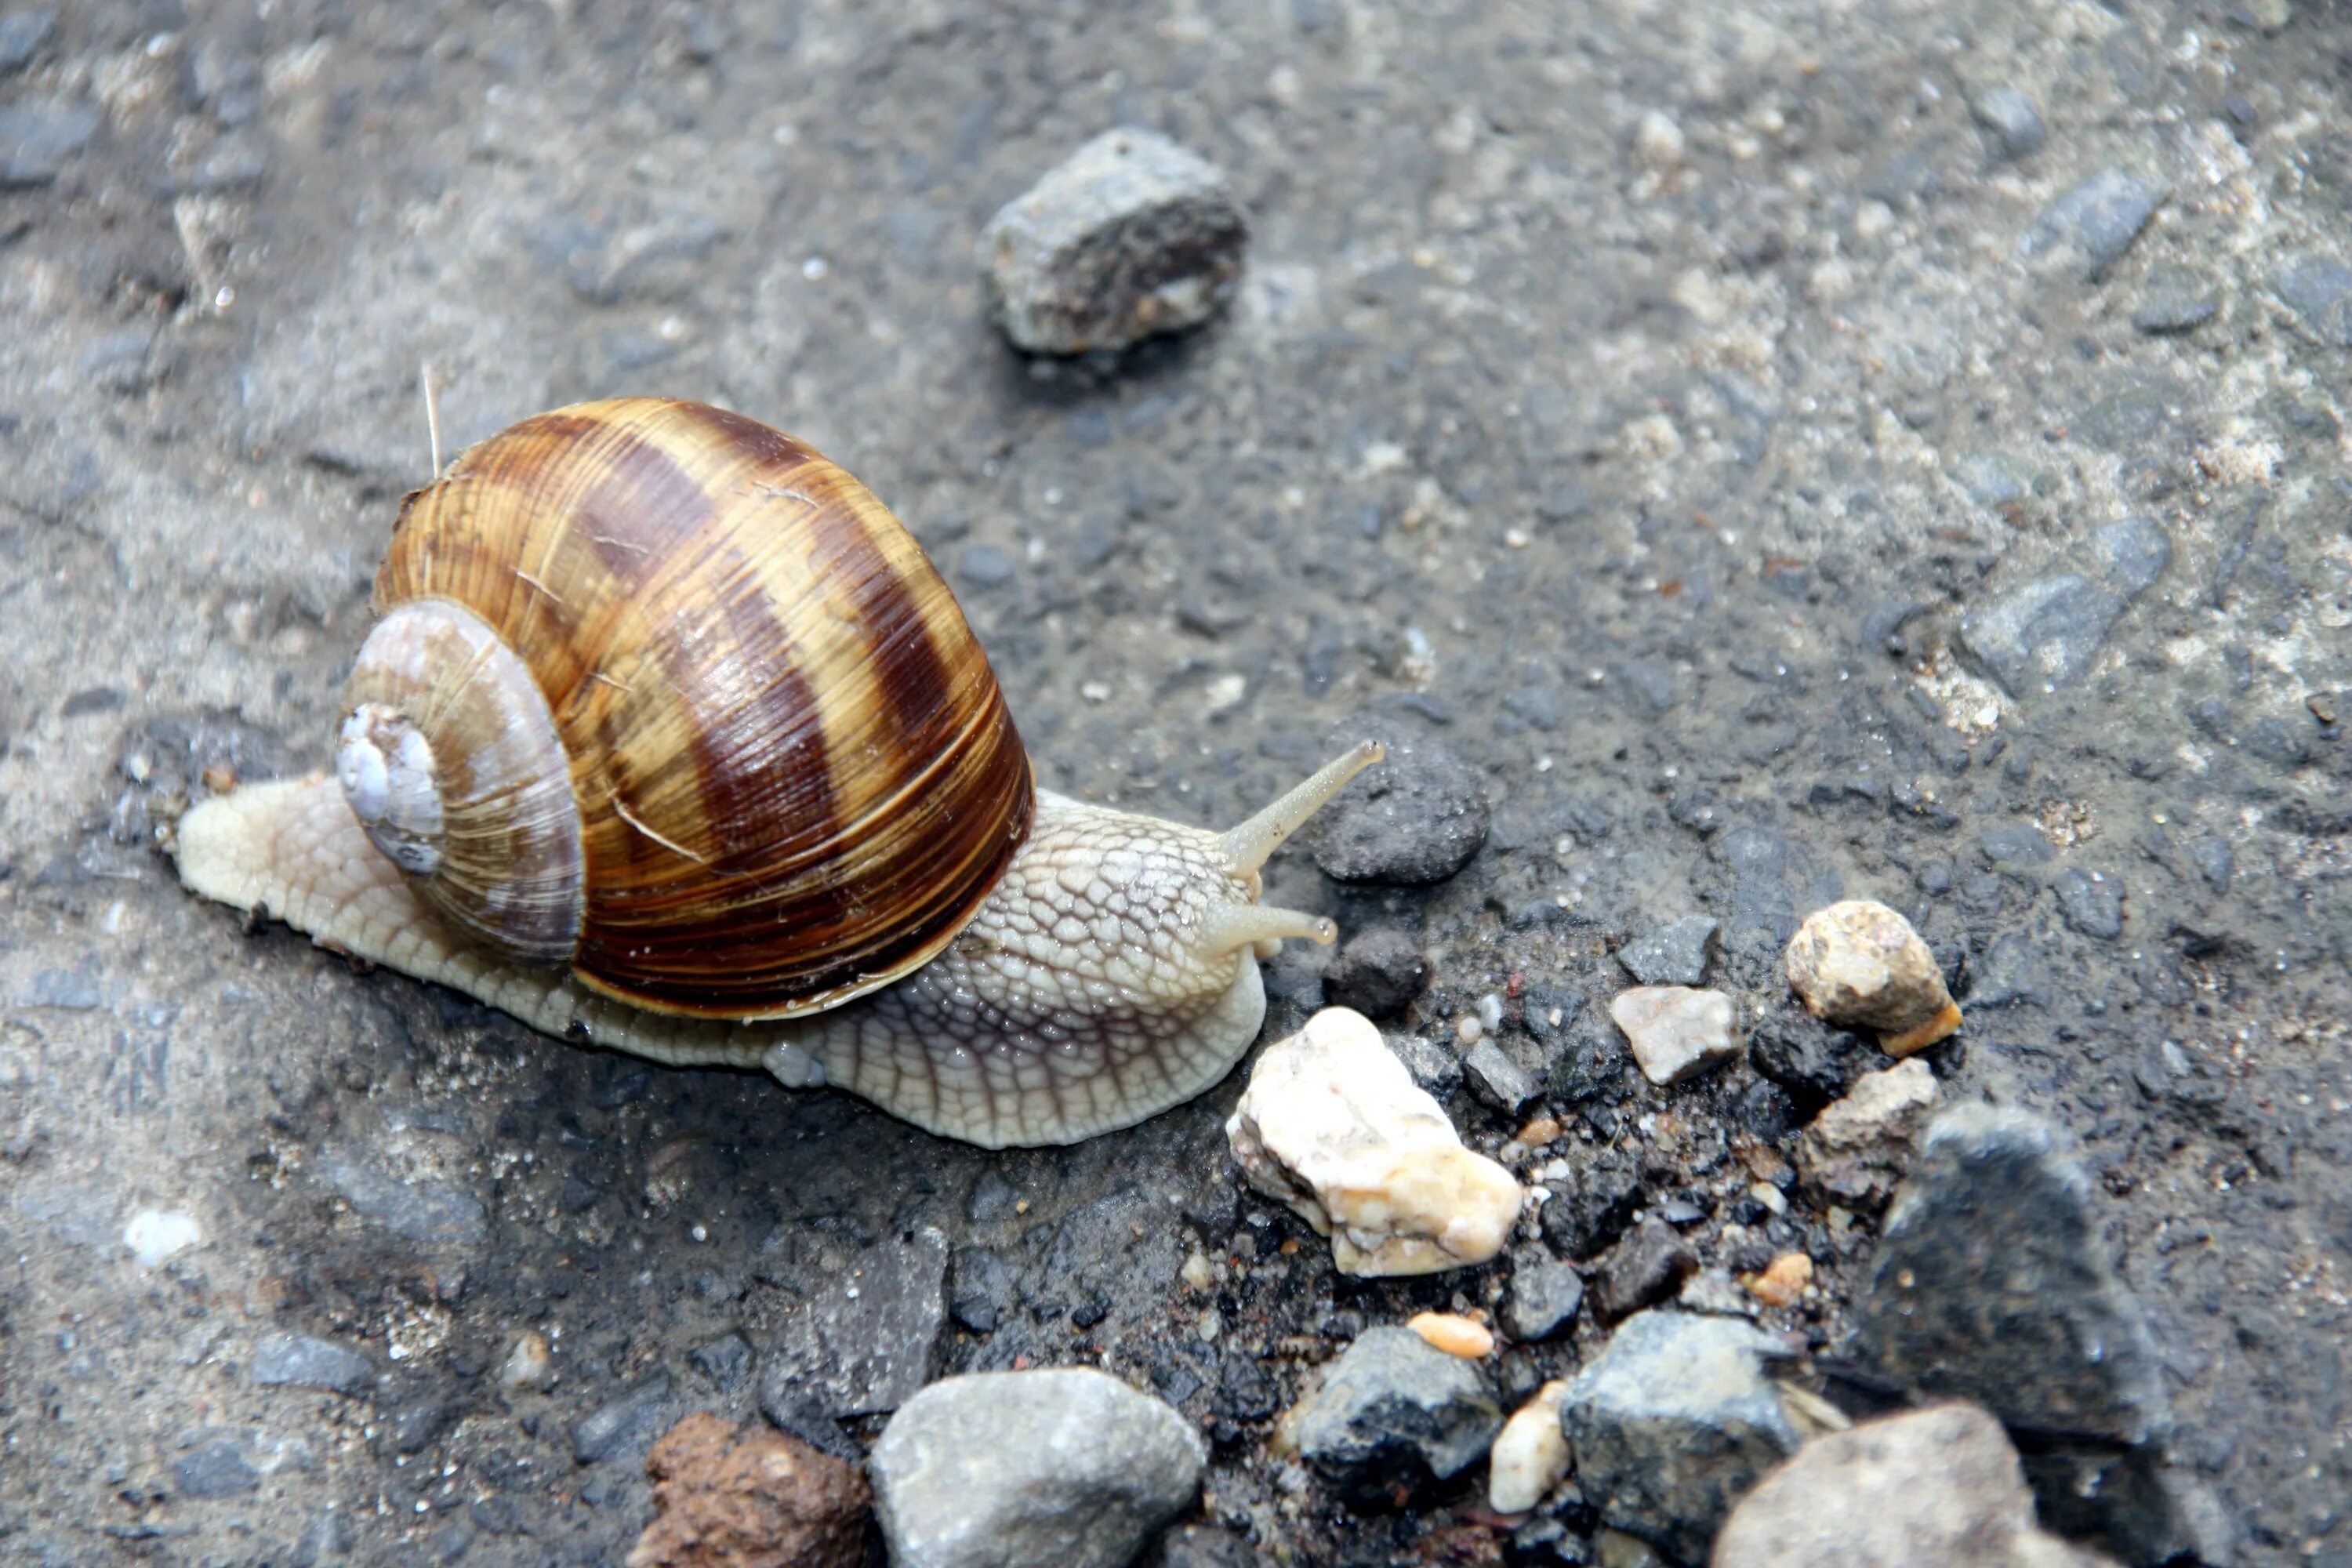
(530, 1364)
(1394, 1414)
(1376, 972)
(1333, 1125)
(1856, 1150)
(1413, 819)
(749, 1498)
(1670, 955)
(1677, 1031)
(1454, 1335)
(156, 1234)
(1857, 963)
(1530, 1455)
(1132, 237)
(2011, 118)
(1783, 1281)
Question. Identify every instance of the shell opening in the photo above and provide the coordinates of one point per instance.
(386, 766)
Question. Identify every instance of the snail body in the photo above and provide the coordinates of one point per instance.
(669, 739)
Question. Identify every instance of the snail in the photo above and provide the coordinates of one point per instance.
(668, 738)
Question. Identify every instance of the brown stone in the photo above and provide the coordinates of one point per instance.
(1859, 964)
(749, 1499)
(1856, 1150)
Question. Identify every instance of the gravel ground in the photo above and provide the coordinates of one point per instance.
(1690, 412)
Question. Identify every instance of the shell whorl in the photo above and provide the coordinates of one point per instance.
(791, 774)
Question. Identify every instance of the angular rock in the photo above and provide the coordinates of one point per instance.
(727, 1362)
(2175, 299)
(2043, 634)
(1205, 1546)
(624, 1425)
(1434, 1068)
(1649, 1266)
(37, 138)
(1394, 1415)
(1498, 1082)
(2094, 223)
(1530, 1455)
(1413, 819)
(1993, 1283)
(869, 1337)
(305, 1362)
(1066, 1468)
(1670, 955)
(1131, 236)
(1673, 1423)
(433, 1215)
(2132, 553)
(725, 1497)
(1591, 1208)
(1543, 1297)
(1333, 1126)
(2012, 122)
(1856, 1150)
(1675, 1032)
(1377, 973)
(1810, 1061)
(1941, 1488)
(2090, 903)
(2318, 290)
(1859, 964)
(22, 36)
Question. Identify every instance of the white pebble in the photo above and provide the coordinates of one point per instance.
(154, 1235)
(1530, 1453)
(531, 1364)
(1333, 1126)
(1677, 1031)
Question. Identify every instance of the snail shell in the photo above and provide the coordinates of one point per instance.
(671, 740)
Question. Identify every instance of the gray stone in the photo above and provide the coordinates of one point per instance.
(1542, 1298)
(213, 1468)
(1648, 1267)
(37, 135)
(1992, 480)
(625, 1425)
(2012, 124)
(1436, 1070)
(1943, 1489)
(2175, 299)
(2318, 290)
(1205, 1546)
(431, 1214)
(727, 1362)
(2094, 223)
(1591, 1208)
(1413, 819)
(1133, 235)
(305, 1362)
(2043, 634)
(1378, 973)
(1394, 1415)
(1673, 1423)
(1670, 955)
(2147, 1512)
(1991, 1283)
(1494, 1080)
(2090, 902)
(24, 35)
(869, 1336)
(2132, 553)
(1062, 1468)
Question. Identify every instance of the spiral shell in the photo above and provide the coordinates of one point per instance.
(791, 776)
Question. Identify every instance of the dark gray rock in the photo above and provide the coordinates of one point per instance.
(625, 1426)
(1670, 955)
(2318, 290)
(983, 1294)
(2132, 1503)
(2012, 971)
(24, 35)
(1542, 1298)
(2012, 124)
(1648, 1267)
(1377, 973)
(2132, 553)
(1991, 1283)
(727, 1362)
(985, 566)
(2175, 299)
(418, 1422)
(799, 1412)
(1812, 1062)
(1673, 1423)
(1592, 1208)
(431, 1214)
(37, 136)
(1062, 1468)
(2015, 843)
(1496, 1081)
(1133, 235)
(2094, 223)
(1205, 1546)
(1436, 1069)
(2090, 902)
(213, 1468)
(1416, 819)
(305, 1362)
(869, 1336)
(1394, 1415)
(2044, 634)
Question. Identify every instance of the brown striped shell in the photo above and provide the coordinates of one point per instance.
(793, 779)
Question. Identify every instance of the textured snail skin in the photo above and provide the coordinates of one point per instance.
(1110, 973)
